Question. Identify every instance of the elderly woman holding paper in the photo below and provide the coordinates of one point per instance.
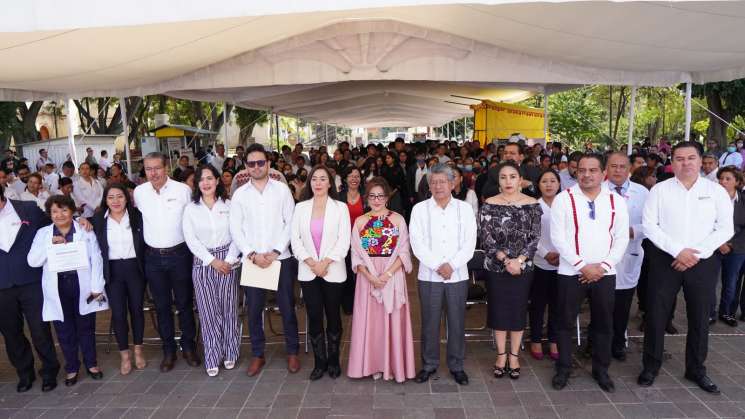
(382, 340)
(72, 283)
(207, 233)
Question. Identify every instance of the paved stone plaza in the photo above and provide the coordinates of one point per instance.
(189, 393)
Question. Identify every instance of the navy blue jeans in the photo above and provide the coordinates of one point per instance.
(76, 331)
(732, 264)
(169, 279)
(256, 300)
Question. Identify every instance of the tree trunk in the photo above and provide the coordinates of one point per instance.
(26, 130)
(717, 129)
(246, 133)
(621, 108)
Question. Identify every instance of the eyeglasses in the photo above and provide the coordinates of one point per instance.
(591, 204)
(252, 164)
(374, 197)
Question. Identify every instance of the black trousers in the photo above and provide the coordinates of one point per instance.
(323, 297)
(569, 296)
(663, 287)
(126, 291)
(621, 310)
(169, 279)
(350, 285)
(21, 302)
(542, 295)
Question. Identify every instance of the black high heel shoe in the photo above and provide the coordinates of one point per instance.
(71, 381)
(514, 373)
(499, 372)
(94, 375)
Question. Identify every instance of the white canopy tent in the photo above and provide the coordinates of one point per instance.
(361, 62)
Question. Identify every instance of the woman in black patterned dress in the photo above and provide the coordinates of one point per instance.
(509, 228)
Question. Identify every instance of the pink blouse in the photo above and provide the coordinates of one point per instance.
(316, 232)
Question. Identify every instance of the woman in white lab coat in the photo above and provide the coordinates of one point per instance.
(71, 298)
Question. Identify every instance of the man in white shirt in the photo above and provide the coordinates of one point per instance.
(568, 176)
(10, 193)
(18, 184)
(686, 218)
(219, 158)
(590, 229)
(627, 271)
(731, 157)
(43, 160)
(443, 238)
(168, 261)
(104, 162)
(260, 220)
(87, 191)
(709, 166)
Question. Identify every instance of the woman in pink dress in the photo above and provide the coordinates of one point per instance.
(382, 341)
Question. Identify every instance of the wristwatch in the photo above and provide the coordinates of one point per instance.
(277, 252)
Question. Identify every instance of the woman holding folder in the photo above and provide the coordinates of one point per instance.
(207, 233)
(72, 297)
(320, 242)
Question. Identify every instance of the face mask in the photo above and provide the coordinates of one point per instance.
(731, 149)
(469, 167)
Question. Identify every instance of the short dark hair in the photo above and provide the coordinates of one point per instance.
(258, 148)
(68, 164)
(65, 181)
(519, 147)
(508, 163)
(61, 201)
(733, 171)
(596, 156)
(545, 172)
(308, 191)
(104, 207)
(689, 144)
(379, 181)
(155, 155)
(2, 193)
(220, 192)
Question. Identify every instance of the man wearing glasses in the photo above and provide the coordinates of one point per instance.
(590, 229)
(260, 219)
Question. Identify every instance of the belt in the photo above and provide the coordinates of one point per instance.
(167, 250)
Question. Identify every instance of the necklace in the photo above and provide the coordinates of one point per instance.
(508, 202)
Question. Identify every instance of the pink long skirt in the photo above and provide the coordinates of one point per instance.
(381, 342)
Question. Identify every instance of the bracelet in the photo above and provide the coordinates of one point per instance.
(390, 275)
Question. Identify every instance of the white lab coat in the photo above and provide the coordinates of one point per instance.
(91, 280)
(628, 270)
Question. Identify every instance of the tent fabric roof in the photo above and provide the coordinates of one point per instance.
(283, 54)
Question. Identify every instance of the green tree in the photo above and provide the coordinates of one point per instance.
(574, 118)
(726, 99)
(247, 119)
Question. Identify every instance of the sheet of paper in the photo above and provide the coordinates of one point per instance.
(254, 276)
(68, 256)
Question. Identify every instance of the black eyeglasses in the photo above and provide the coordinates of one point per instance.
(591, 204)
(252, 164)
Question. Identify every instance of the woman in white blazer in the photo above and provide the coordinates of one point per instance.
(320, 242)
(71, 298)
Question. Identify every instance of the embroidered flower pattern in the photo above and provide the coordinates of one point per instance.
(379, 236)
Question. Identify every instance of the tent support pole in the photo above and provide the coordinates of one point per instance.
(545, 117)
(632, 106)
(71, 133)
(276, 128)
(225, 123)
(465, 119)
(125, 128)
(688, 112)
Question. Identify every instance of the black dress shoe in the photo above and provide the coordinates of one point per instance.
(742, 317)
(728, 320)
(168, 362)
(646, 378)
(605, 383)
(48, 385)
(560, 380)
(98, 375)
(619, 355)
(69, 382)
(25, 385)
(460, 377)
(704, 382)
(192, 359)
(423, 376)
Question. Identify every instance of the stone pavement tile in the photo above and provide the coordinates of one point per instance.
(588, 397)
(151, 401)
(388, 401)
(22, 413)
(16, 401)
(204, 400)
(418, 401)
(297, 387)
(287, 401)
(65, 412)
(388, 413)
(138, 413)
(623, 396)
(734, 393)
(533, 398)
(312, 400)
(695, 410)
(650, 395)
(167, 413)
(540, 412)
(220, 413)
(112, 387)
(476, 400)
(195, 413)
(563, 397)
(351, 404)
(313, 413)
(504, 399)
(214, 387)
(123, 400)
(110, 412)
(677, 394)
(361, 386)
(582, 412)
(260, 400)
(511, 412)
(47, 401)
(444, 387)
(447, 400)
(665, 410)
(98, 400)
(161, 388)
(324, 385)
(634, 410)
(449, 413)
(231, 400)
(177, 399)
(499, 385)
(480, 413)
(283, 413)
(527, 382)
(252, 413)
(419, 413)
(726, 409)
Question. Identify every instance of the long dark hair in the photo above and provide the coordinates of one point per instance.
(308, 190)
(220, 192)
(105, 207)
(545, 172)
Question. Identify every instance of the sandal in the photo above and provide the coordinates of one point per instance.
(499, 372)
(514, 372)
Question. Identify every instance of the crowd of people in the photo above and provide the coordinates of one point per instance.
(555, 227)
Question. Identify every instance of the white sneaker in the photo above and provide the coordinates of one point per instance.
(229, 365)
(212, 372)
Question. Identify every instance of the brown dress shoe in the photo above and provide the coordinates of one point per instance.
(168, 361)
(192, 359)
(293, 364)
(257, 363)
